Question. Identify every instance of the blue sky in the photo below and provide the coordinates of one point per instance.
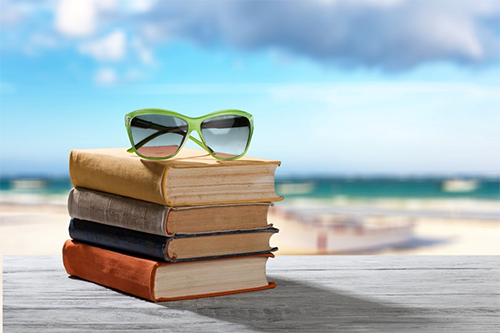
(351, 87)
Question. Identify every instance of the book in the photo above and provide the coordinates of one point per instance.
(163, 220)
(190, 178)
(173, 248)
(160, 281)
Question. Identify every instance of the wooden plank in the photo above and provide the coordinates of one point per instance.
(314, 293)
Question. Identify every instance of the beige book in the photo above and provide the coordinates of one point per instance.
(192, 178)
(163, 220)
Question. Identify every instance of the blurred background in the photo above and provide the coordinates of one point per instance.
(385, 114)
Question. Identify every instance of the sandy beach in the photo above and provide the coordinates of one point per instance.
(41, 229)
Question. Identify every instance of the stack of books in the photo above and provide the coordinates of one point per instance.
(187, 227)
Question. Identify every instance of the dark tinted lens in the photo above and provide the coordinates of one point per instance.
(156, 135)
(227, 136)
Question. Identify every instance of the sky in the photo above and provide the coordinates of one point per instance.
(336, 87)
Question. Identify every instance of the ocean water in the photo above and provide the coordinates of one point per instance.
(390, 188)
(34, 190)
(313, 188)
(35, 185)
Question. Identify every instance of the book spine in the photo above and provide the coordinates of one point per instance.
(119, 239)
(118, 211)
(126, 176)
(112, 269)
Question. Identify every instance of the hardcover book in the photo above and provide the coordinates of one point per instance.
(173, 248)
(160, 281)
(162, 220)
(190, 178)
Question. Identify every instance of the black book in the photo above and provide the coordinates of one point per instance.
(179, 247)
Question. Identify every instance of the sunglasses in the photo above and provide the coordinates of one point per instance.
(157, 134)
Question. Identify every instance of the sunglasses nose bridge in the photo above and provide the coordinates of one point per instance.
(195, 126)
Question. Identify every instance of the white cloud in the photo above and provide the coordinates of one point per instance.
(11, 15)
(76, 17)
(145, 55)
(140, 6)
(153, 33)
(385, 34)
(106, 76)
(389, 34)
(107, 5)
(109, 48)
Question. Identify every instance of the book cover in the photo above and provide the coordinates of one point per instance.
(191, 178)
(181, 247)
(160, 281)
(152, 218)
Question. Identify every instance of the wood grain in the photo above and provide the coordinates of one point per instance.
(314, 294)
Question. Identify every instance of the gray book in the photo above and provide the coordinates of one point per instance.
(161, 220)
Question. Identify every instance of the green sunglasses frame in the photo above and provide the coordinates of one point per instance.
(194, 124)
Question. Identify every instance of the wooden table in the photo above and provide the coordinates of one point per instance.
(314, 294)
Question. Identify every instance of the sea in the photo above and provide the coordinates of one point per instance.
(312, 187)
(475, 188)
(471, 198)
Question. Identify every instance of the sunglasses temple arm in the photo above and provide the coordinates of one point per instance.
(161, 130)
(198, 142)
(139, 145)
(151, 137)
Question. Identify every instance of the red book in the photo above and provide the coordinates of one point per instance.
(162, 281)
